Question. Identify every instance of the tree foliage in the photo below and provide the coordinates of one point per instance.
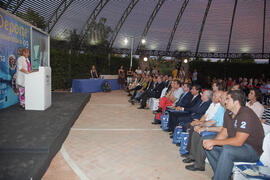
(33, 18)
(96, 40)
(98, 33)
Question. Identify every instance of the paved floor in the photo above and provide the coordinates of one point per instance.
(113, 140)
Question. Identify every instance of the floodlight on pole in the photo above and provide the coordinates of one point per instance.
(143, 41)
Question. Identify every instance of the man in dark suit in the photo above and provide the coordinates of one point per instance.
(196, 112)
(186, 97)
(168, 84)
(155, 93)
(150, 83)
(184, 105)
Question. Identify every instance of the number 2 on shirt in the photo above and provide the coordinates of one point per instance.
(243, 125)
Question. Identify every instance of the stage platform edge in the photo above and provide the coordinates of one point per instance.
(30, 139)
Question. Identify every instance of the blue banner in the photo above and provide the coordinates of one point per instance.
(14, 36)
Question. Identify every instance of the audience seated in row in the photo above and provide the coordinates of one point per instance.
(239, 138)
(214, 124)
(169, 99)
(187, 115)
(185, 104)
(207, 117)
(152, 93)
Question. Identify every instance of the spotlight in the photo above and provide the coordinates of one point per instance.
(143, 41)
(145, 59)
(185, 61)
(125, 41)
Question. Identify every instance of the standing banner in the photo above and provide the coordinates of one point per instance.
(14, 36)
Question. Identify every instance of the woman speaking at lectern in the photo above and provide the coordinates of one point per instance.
(23, 67)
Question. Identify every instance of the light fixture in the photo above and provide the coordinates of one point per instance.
(126, 41)
(143, 41)
(212, 49)
(145, 59)
(185, 61)
(182, 48)
(245, 49)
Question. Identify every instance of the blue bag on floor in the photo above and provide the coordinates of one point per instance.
(164, 121)
(177, 135)
(184, 142)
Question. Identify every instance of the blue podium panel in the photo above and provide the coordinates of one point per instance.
(114, 83)
(92, 85)
(87, 85)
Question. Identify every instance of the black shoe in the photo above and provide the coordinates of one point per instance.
(171, 133)
(193, 168)
(129, 94)
(188, 160)
(177, 144)
(185, 155)
(171, 136)
(156, 122)
(141, 107)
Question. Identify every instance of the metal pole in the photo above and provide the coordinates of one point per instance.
(131, 50)
(264, 11)
(230, 36)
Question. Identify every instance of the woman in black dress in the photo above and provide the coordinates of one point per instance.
(93, 72)
(121, 77)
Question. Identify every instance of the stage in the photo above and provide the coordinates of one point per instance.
(30, 139)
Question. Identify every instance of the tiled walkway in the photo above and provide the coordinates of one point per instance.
(113, 140)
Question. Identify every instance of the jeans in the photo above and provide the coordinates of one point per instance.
(221, 158)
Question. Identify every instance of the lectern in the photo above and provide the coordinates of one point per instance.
(38, 89)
